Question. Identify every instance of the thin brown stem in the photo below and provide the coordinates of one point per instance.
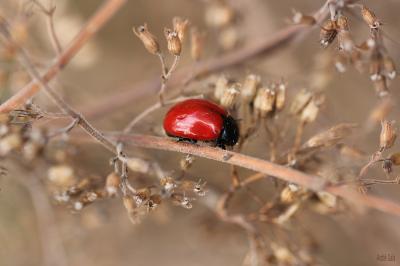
(311, 182)
(166, 75)
(49, 12)
(25, 60)
(93, 25)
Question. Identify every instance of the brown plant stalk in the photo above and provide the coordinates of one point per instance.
(311, 182)
(97, 21)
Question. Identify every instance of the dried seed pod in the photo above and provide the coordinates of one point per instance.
(221, 86)
(30, 150)
(302, 98)
(381, 86)
(342, 23)
(389, 67)
(395, 158)
(187, 162)
(327, 33)
(327, 199)
(198, 188)
(375, 67)
(380, 111)
(283, 255)
(299, 18)
(228, 38)
(182, 200)
(131, 209)
(331, 136)
(219, 15)
(197, 44)
(10, 143)
(180, 27)
(356, 60)
(173, 41)
(61, 175)
(249, 88)
(142, 196)
(4, 129)
(370, 18)
(264, 101)
(345, 41)
(129, 203)
(280, 96)
(153, 202)
(289, 194)
(230, 95)
(351, 152)
(138, 165)
(388, 135)
(149, 40)
(113, 182)
(168, 184)
(341, 62)
(310, 112)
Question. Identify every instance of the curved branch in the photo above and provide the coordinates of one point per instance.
(93, 25)
(311, 182)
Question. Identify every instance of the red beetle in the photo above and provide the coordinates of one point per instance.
(198, 119)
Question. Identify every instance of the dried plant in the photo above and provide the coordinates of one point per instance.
(315, 168)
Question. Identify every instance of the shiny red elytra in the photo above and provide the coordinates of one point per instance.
(198, 119)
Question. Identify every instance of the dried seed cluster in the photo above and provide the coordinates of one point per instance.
(371, 53)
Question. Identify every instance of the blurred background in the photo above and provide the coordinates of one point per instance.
(36, 231)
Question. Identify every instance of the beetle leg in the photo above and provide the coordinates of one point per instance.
(191, 141)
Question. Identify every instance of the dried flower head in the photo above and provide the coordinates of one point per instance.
(327, 33)
(341, 62)
(182, 201)
(380, 111)
(265, 101)
(370, 18)
(168, 184)
(221, 85)
(187, 162)
(61, 175)
(219, 15)
(388, 135)
(113, 182)
(228, 38)
(310, 112)
(299, 18)
(180, 27)
(10, 143)
(173, 41)
(381, 86)
(197, 43)
(138, 165)
(395, 158)
(331, 136)
(149, 40)
(302, 98)
(375, 66)
(249, 88)
(198, 188)
(230, 95)
(280, 96)
(389, 67)
(342, 23)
